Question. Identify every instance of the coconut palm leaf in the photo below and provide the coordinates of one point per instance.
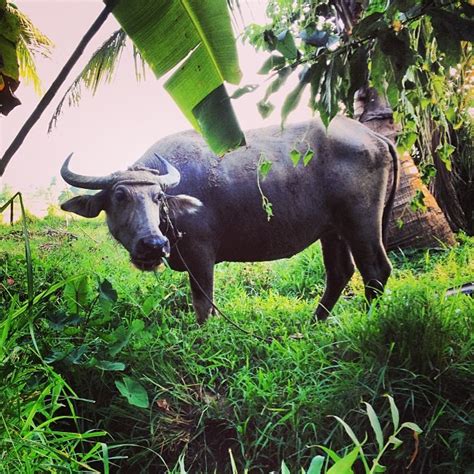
(194, 40)
(100, 68)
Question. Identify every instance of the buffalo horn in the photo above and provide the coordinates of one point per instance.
(85, 182)
(171, 177)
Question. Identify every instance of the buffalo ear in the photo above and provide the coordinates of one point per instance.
(85, 205)
(183, 204)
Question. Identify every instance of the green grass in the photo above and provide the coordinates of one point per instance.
(109, 332)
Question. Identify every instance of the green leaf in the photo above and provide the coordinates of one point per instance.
(76, 294)
(316, 465)
(295, 156)
(285, 44)
(445, 151)
(395, 441)
(243, 90)
(412, 426)
(133, 391)
(328, 105)
(273, 62)
(195, 39)
(378, 67)
(275, 86)
(358, 73)
(316, 72)
(265, 167)
(343, 466)
(265, 108)
(308, 156)
(332, 454)
(284, 468)
(394, 412)
(8, 59)
(109, 365)
(217, 122)
(375, 423)
(292, 100)
(349, 431)
(369, 25)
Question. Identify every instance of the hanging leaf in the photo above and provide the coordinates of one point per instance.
(358, 74)
(273, 62)
(243, 90)
(295, 156)
(328, 105)
(292, 100)
(194, 39)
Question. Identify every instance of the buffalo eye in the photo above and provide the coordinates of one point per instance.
(121, 195)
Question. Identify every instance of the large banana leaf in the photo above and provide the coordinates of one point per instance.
(193, 38)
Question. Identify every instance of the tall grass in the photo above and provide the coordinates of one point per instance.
(131, 361)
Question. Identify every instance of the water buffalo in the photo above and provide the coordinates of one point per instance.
(181, 202)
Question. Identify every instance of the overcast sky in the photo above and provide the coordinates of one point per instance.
(112, 129)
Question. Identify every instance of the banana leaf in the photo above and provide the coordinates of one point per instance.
(194, 40)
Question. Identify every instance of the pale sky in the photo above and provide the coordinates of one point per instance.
(110, 130)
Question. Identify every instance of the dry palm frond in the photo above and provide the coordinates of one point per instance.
(100, 68)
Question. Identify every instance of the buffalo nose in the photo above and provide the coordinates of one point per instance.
(153, 244)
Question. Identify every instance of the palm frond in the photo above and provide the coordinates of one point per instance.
(30, 41)
(100, 68)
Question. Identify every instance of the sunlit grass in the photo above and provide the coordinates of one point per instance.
(213, 388)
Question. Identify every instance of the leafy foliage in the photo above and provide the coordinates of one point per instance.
(416, 53)
(19, 39)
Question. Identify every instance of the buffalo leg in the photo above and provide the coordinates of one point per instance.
(201, 279)
(339, 270)
(372, 261)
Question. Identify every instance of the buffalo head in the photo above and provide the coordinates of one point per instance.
(136, 203)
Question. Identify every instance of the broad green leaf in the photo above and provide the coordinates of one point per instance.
(121, 336)
(76, 294)
(284, 468)
(344, 465)
(218, 123)
(133, 391)
(107, 296)
(394, 412)
(375, 423)
(316, 465)
(195, 39)
(285, 44)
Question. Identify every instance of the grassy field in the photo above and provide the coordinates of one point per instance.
(107, 370)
